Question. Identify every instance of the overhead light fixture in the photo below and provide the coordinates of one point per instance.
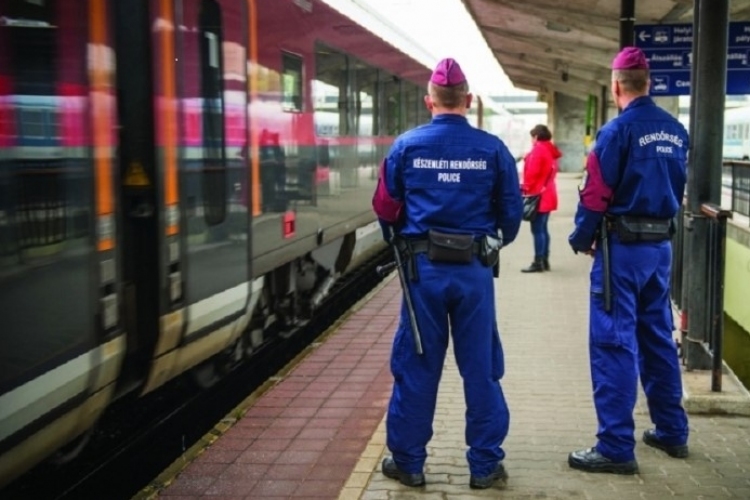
(553, 26)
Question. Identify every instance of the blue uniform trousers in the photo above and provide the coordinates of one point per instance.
(458, 298)
(634, 338)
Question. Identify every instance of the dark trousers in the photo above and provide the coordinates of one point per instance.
(541, 235)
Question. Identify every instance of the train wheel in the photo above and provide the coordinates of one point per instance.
(208, 373)
(205, 375)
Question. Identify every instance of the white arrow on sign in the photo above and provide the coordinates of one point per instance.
(643, 36)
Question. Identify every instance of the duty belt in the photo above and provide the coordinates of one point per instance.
(422, 245)
(631, 229)
(448, 248)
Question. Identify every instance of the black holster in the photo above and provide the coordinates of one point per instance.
(406, 247)
(489, 250)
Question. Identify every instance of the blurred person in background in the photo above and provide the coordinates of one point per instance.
(539, 172)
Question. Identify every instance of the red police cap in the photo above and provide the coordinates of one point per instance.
(447, 73)
(630, 58)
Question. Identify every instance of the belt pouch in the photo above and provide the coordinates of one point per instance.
(634, 229)
(442, 247)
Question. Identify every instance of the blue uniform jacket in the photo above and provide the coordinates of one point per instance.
(454, 178)
(637, 167)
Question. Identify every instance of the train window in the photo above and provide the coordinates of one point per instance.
(32, 124)
(366, 85)
(33, 32)
(46, 192)
(331, 92)
(411, 98)
(423, 114)
(214, 176)
(393, 120)
(215, 154)
(291, 82)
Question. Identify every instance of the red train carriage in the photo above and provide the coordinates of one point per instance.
(175, 176)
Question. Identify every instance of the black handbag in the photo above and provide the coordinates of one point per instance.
(531, 206)
(531, 202)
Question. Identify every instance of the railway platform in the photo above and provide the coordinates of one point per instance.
(317, 429)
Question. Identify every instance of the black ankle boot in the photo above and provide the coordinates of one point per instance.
(535, 267)
(545, 263)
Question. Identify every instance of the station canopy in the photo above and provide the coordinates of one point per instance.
(553, 46)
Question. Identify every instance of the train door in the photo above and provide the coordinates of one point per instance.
(137, 184)
(182, 103)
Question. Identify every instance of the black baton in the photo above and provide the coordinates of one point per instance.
(407, 294)
(606, 265)
(385, 268)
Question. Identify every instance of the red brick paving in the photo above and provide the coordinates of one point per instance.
(304, 436)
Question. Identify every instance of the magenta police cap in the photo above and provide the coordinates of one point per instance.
(630, 58)
(447, 73)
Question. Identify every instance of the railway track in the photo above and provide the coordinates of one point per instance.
(136, 440)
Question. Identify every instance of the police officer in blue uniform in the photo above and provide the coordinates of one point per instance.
(634, 185)
(451, 190)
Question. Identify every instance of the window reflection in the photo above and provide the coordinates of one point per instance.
(212, 95)
(411, 100)
(393, 118)
(291, 82)
(45, 186)
(214, 155)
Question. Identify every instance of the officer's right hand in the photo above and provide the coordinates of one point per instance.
(579, 244)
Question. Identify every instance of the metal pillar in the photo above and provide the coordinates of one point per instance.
(694, 87)
(704, 174)
(627, 23)
(691, 355)
(603, 106)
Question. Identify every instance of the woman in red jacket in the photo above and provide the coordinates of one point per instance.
(539, 171)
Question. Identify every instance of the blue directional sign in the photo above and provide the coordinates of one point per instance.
(668, 48)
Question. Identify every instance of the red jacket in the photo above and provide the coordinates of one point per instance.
(539, 172)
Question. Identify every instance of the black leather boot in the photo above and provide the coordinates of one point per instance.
(591, 460)
(545, 262)
(676, 451)
(391, 470)
(535, 267)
